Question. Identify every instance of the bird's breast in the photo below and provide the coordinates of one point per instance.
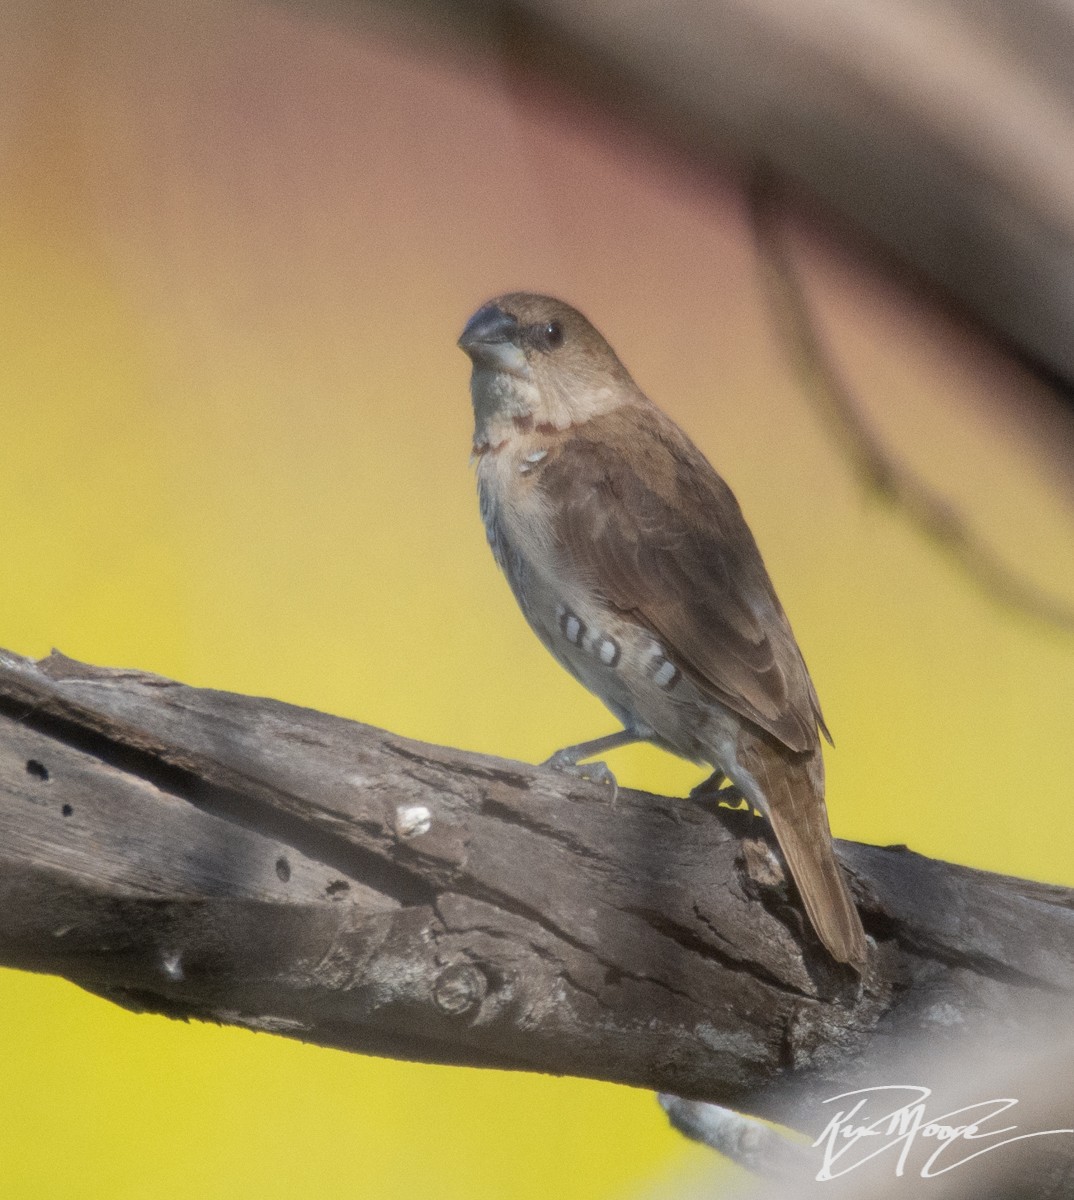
(618, 659)
(515, 513)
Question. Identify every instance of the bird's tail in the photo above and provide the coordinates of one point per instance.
(795, 794)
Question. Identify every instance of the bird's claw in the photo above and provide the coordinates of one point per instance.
(592, 772)
(562, 760)
(725, 794)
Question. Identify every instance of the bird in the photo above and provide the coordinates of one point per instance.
(631, 560)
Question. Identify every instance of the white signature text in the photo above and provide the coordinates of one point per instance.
(892, 1119)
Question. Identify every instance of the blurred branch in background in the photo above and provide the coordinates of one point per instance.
(204, 854)
(879, 470)
(944, 133)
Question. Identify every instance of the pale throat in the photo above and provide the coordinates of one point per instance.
(501, 398)
(505, 401)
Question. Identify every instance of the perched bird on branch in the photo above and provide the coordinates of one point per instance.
(632, 562)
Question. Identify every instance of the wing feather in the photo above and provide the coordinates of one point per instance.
(643, 518)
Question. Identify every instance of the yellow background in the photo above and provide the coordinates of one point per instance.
(237, 244)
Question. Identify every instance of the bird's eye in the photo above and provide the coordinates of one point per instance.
(552, 334)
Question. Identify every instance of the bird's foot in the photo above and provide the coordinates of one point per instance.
(593, 772)
(725, 796)
(709, 788)
(718, 788)
(730, 797)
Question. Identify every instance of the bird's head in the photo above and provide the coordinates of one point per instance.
(536, 359)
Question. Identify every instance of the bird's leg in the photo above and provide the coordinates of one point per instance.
(709, 787)
(569, 759)
(713, 790)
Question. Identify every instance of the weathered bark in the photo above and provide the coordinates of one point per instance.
(204, 854)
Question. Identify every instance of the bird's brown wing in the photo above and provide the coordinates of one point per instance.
(640, 514)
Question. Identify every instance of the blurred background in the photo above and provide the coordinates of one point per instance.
(237, 244)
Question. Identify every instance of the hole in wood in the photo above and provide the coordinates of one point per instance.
(37, 769)
(283, 869)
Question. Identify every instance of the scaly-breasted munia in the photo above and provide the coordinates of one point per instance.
(631, 560)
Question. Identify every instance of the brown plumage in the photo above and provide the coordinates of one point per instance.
(632, 561)
(663, 537)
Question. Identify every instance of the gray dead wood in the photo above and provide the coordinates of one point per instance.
(236, 859)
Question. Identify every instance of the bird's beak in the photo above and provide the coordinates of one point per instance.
(500, 379)
(489, 326)
(491, 339)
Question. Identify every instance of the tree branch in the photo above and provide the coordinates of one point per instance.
(878, 468)
(210, 855)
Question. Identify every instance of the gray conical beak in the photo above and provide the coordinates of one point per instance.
(489, 326)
